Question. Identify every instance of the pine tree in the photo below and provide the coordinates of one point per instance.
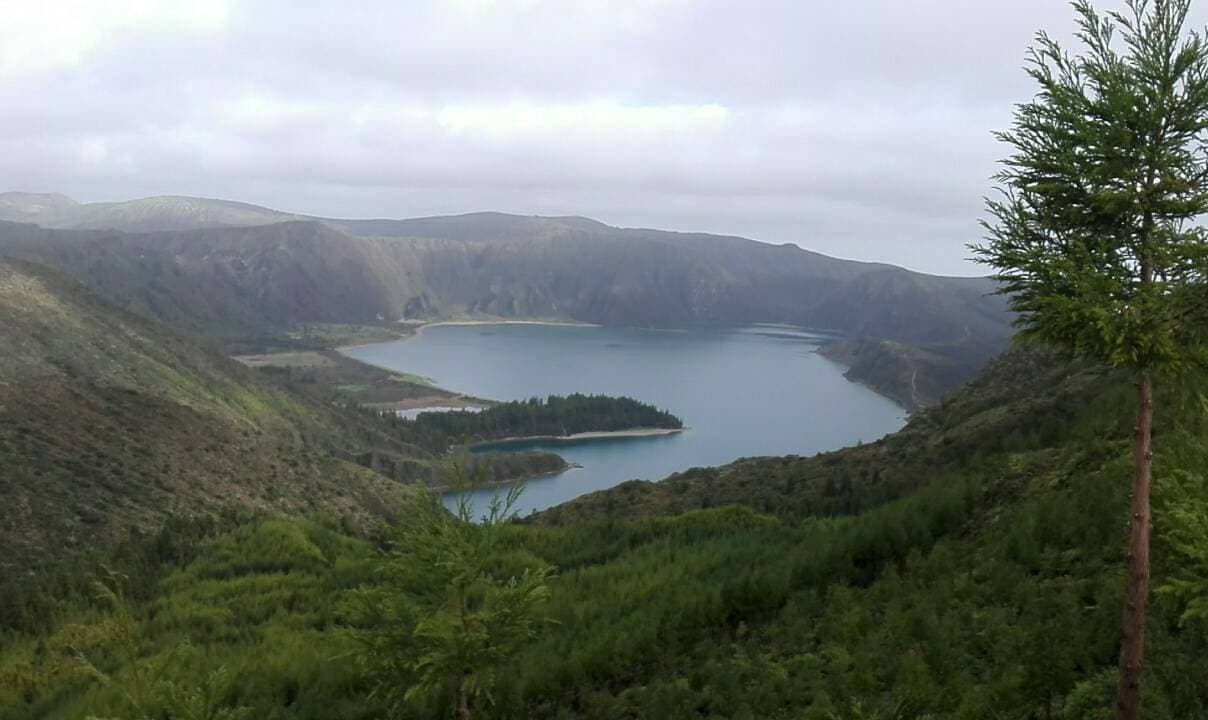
(457, 604)
(1093, 235)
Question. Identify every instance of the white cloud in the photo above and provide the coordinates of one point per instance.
(53, 34)
(633, 16)
(94, 151)
(856, 128)
(587, 118)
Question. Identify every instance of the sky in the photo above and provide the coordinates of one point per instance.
(859, 128)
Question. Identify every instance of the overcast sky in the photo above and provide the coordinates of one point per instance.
(859, 128)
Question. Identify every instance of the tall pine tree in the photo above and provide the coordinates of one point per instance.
(1094, 235)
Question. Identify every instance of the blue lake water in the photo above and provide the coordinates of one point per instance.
(742, 392)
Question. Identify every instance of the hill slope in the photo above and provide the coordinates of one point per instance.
(227, 282)
(111, 423)
(982, 579)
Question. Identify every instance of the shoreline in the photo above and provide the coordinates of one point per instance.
(452, 404)
(556, 323)
(456, 399)
(409, 330)
(579, 437)
(449, 490)
(824, 348)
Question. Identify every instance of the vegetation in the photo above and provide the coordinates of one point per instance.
(990, 588)
(332, 377)
(455, 608)
(110, 424)
(185, 538)
(1020, 399)
(1091, 239)
(554, 416)
(914, 376)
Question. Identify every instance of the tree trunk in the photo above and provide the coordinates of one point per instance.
(462, 712)
(1133, 650)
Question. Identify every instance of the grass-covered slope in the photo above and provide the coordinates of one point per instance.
(990, 587)
(109, 421)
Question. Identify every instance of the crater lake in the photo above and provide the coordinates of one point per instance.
(741, 392)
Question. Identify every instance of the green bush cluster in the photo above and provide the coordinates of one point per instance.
(990, 589)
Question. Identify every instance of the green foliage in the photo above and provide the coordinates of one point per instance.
(960, 601)
(1185, 530)
(455, 607)
(1091, 236)
(236, 628)
(553, 416)
(110, 424)
(145, 693)
(1094, 238)
(989, 587)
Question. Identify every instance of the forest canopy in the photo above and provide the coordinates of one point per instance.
(554, 416)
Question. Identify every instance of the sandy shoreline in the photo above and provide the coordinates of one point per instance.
(601, 435)
(410, 330)
(459, 402)
(556, 323)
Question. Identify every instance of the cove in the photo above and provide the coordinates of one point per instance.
(742, 392)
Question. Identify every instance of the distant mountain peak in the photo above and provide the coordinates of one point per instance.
(29, 205)
(149, 214)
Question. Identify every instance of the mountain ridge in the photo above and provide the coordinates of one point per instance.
(16, 206)
(283, 271)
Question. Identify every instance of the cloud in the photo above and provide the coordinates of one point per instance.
(56, 34)
(861, 128)
(505, 120)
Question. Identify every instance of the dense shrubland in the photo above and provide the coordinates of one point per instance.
(992, 589)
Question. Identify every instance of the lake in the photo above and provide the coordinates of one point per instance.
(742, 392)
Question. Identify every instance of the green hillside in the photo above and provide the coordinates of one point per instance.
(238, 283)
(982, 580)
(110, 423)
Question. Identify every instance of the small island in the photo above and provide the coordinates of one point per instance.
(560, 418)
(573, 418)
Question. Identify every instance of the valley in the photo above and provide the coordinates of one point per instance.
(207, 423)
(531, 360)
